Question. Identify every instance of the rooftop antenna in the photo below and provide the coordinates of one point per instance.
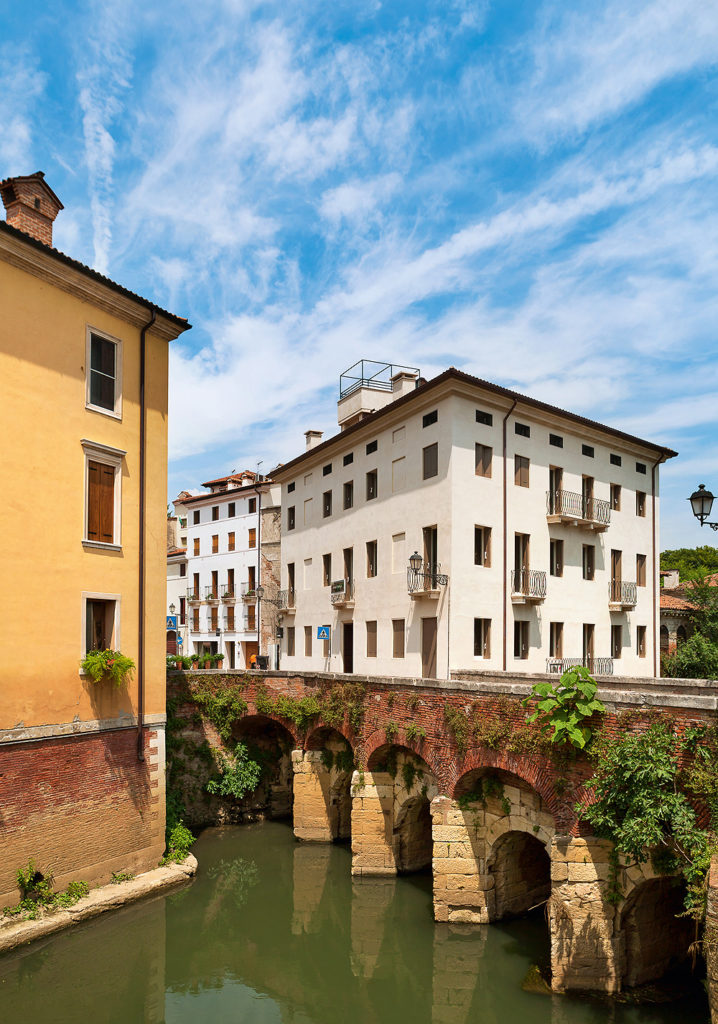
(260, 463)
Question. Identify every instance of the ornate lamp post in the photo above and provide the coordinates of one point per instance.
(701, 504)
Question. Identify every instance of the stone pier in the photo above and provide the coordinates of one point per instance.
(372, 823)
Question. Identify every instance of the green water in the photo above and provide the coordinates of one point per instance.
(275, 931)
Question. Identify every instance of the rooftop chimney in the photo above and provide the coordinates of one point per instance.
(31, 205)
(314, 437)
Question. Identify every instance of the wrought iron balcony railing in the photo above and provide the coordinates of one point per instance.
(570, 506)
(249, 592)
(342, 591)
(597, 666)
(286, 599)
(622, 593)
(529, 584)
(228, 592)
(193, 594)
(426, 580)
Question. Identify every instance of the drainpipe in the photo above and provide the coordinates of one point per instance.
(505, 618)
(259, 569)
(654, 467)
(141, 601)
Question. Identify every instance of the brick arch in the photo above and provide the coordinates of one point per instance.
(340, 730)
(378, 739)
(289, 727)
(523, 768)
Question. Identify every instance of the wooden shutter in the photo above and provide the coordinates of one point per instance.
(252, 537)
(230, 618)
(371, 639)
(101, 502)
(230, 542)
(482, 460)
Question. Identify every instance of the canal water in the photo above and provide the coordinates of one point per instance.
(275, 931)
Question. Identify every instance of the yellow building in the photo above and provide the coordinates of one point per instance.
(83, 437)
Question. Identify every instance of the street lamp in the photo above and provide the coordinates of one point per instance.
(702, 503)
(415, 562)
(172, 609)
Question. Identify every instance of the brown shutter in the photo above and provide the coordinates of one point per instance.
(93, 500)
(107, 504)
(371, 639)
(252, 538)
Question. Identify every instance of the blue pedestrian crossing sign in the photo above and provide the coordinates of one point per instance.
(323, 632)
(171, 622)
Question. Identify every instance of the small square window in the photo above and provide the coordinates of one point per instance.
(523, 429)
(484, 417)
(641, 467)
(556, 440)
(326, 470)
(372, 447)
(290, 487)
(615, 459)
(430, 417)
(587, 450)
(348, 459)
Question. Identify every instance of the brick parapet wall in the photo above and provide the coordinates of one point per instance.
(81, 807)
(422, 704)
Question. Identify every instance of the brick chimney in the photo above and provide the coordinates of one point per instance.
(31, 205)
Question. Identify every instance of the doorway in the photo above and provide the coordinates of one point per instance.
(348, 646)
(428, 648)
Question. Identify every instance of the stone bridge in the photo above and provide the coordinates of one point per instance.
(484, 806)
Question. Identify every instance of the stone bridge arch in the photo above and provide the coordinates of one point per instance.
(270, 742)
(491, 844)
(391, 811)
(322, 786)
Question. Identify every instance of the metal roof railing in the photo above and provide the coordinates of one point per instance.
(371, 374)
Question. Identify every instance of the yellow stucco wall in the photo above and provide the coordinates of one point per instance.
(45, 568)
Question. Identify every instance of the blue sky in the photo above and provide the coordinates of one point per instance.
(523, 190)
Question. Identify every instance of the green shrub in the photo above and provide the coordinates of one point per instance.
(179, 841)
(567, 707)
(113, 665)
(238, 774)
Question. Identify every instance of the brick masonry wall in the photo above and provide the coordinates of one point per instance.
(81, 807)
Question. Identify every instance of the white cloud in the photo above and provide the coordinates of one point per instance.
(21, 86)
(357, 199)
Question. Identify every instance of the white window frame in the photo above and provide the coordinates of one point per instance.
(91, 595)
(115, 413)
(103, 453)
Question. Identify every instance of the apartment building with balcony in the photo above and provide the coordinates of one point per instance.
(454, 525)
(217, 599)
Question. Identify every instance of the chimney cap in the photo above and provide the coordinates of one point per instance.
(9, 192)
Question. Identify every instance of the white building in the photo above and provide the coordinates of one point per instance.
(213, 584)
(534, 531)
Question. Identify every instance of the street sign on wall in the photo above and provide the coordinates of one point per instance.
(323, 632)
(171, 622)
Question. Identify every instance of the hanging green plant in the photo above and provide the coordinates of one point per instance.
(112, 665)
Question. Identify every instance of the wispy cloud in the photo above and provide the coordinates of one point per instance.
(103, 77)
(21, 86)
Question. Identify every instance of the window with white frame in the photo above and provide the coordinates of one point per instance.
(103, 497)
(103, 363)
(100, 622)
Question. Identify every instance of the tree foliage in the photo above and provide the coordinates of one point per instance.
(567, 707)
(691, 561)
(640, 807)
(238, 774)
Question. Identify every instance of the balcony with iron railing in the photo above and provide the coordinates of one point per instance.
(249, 592)
(342, 593)
(572, 507)
(622, 595)
(286, 600)
(528, 586)
(193, 595)
(229, 624)
(425, 582)
(211, 593)
(597, 666)
(228, 592)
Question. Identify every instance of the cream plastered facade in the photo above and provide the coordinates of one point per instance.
(456, 501)
(48, 307)
(232, 642)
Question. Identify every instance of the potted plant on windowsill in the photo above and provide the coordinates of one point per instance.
(206, 658)
(218, 659)
(194, 661)
(112, 665)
